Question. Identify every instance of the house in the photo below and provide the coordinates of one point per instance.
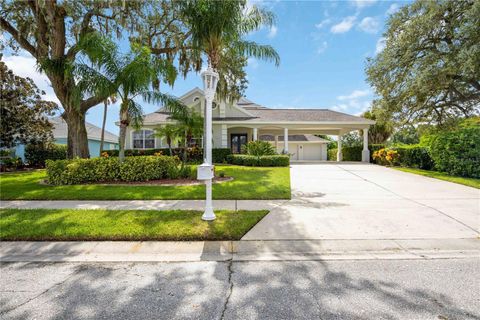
(94, 134)
(292, 131)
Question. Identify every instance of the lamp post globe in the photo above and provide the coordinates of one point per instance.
(205, 171)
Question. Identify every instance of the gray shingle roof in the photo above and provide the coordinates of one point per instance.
(93, 132)
(314, 115)
(295, 138)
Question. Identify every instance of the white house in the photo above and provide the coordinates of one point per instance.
(234, 124)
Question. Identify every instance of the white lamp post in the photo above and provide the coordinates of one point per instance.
(205, 170)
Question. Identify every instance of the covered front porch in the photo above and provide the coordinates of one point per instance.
(298, 140)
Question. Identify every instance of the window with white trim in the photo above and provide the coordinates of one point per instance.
(143, 139)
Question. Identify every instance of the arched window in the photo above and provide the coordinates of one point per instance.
(143, 139)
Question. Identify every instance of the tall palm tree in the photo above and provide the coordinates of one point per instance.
(106, 102)
(130, 77)
(218, 29)
(171, 133)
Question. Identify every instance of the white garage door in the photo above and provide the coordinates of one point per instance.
(310, 151)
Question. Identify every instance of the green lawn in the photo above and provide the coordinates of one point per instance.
(471, 182)
(70, 224)
(248, 183)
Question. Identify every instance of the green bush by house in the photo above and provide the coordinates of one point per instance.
(219, 155)
(414, 156)
(353, 153)
(107, 169)
(458, 152)
(260, 161)
(37, 154)
(259, 148)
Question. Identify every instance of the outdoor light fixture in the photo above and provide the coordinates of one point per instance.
(206, 170)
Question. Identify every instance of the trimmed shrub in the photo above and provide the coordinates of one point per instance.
(37, 154)
(386, 157)
(259, 148)
(219, 155)
(107, 169)
(262, 161)
(332, 154)
(414, 156)
(373, 148)
(458, 152)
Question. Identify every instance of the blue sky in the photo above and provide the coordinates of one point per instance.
(323, 47)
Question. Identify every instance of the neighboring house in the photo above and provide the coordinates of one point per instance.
(234, 124)
(93, 132)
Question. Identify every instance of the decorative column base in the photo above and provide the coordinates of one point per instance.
(339, 156)
(366, 155)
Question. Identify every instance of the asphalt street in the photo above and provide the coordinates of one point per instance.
(356, 289)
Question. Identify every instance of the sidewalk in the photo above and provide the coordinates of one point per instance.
(142, 204)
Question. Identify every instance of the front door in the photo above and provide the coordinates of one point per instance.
(237, 140)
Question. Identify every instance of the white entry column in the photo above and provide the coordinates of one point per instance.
(339, 148)
(365, 151)
(255, 134)
(285, 140)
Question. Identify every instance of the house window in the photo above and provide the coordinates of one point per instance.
(196, 142)
(143, 139)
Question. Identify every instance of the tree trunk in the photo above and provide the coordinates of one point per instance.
(77, 138)
(169, 142)
(102, 138)
(123, 132)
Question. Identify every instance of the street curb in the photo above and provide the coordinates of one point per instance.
(275, 250)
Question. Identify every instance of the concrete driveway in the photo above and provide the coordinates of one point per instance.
(364, 201)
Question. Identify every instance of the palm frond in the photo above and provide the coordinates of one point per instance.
(135, 114)
(253, 49)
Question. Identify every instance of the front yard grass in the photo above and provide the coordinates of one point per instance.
(470, 182)
(138, 225)
(248, 183)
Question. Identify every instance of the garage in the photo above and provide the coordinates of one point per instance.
(302, 147)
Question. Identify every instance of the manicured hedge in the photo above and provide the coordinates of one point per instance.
(105, 169)
(261, 161)
(37, 154)
(353, 153)
(219, 155)
(458, 152)
(414, 156)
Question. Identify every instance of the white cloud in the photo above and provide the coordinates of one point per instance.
(355, 103)
(322, 47)
(323, 23)
(360, 4)
(392, 9)
(25, 66)
(273, 32)
(369, 25)
(344, 26)
(380, 45)
(355, 95)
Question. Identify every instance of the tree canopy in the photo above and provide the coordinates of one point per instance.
(429, 70)
(23, 112)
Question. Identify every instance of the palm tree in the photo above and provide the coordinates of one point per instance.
(106, 102)
(171, 133)
(191, 126)
(218, 28)
(130, 77)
